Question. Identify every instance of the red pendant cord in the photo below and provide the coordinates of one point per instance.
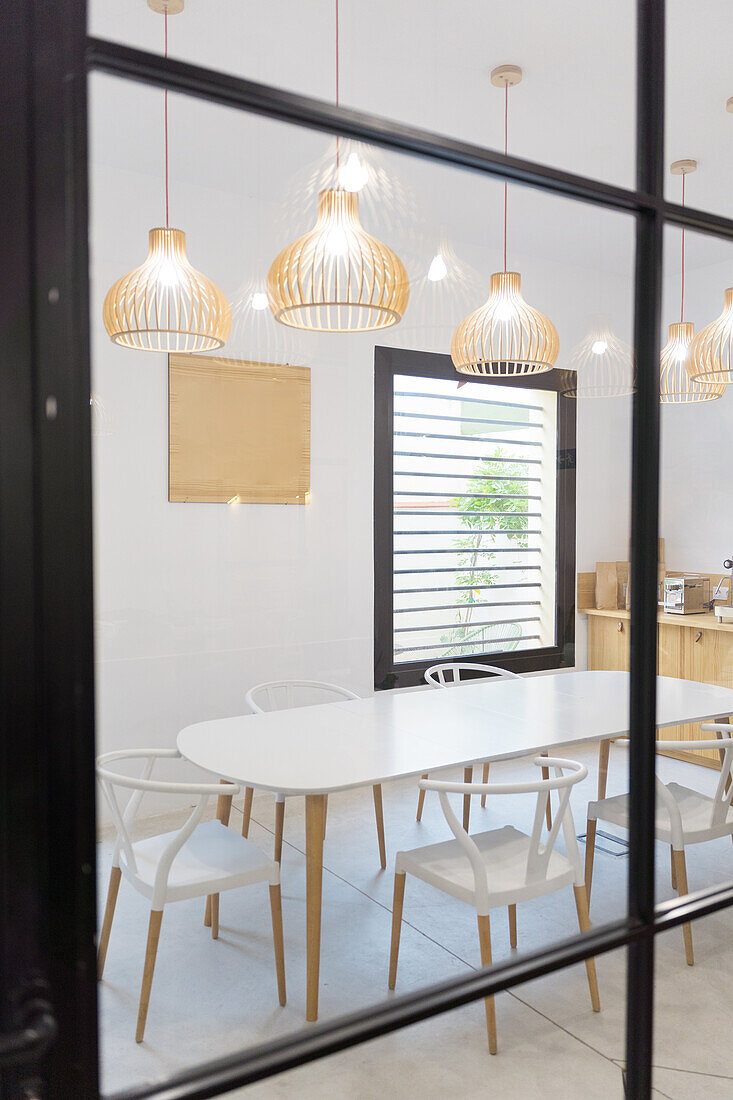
(682, 301)
(165, 116)
(338, 140)
(506, 133)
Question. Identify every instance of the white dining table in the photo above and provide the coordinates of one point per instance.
(317, 750)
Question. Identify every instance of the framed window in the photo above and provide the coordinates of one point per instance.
(474, 519)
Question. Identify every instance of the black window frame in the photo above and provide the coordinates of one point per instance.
(388, 362)
(48, 1011)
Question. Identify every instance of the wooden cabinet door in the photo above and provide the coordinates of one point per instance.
(671, 661)
(707, 658)
(608, 643)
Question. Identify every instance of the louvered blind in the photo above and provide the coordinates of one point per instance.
(474, 519)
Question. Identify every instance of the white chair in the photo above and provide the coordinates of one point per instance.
(447, 675)
(500, 867)
(195, 860)
(683, 816)
(283, 694)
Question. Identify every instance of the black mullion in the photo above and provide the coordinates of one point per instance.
(644, 533)
(23, 764)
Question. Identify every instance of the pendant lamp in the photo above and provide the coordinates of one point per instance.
(711, 352)
(165, 304)
(676, 386)
(337, 277)
(601, 365)
(506, 336)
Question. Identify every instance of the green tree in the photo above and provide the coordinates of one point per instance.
(507, 519)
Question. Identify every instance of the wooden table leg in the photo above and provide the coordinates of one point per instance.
(224, 805)
(315, 806)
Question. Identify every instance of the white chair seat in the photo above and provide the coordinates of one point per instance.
(695, 811)
(504, 852)
(213, 859)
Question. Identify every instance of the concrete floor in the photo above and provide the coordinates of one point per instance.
(211, 998)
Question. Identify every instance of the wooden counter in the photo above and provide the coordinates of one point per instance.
(692, 647)
(708, 621)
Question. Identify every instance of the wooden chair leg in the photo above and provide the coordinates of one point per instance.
(207, 912)
(279, 823)
(729, 780)
(156, 916)
(581, 905)
(604, 748)
(484, 939)
(681, 876)
(214, 916)
(399, 897)
(421, 799)
(512, 926)
(484, 779)
(590, 851)
(379, 815)
(247, 810)
(548, 808)
(325, 814)
(467, 778)
(112, 890)
(276, 911)
(673, 869)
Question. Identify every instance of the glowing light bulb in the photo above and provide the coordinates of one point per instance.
(599, 347)
(504, 310)
(437, 269)
(681, 352)
(168, 273)
(259, 300)
(336, 242)
(353, 175)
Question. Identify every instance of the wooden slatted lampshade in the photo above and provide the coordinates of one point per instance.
(506, 336)
(337, 277)
(711, 351)
(676, 387)
(165, 304)
(676, 384)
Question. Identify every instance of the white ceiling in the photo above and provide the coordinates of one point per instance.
(426, 62)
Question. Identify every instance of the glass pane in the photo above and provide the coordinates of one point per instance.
(200, 598)
(693, 847)
(427, 63)
(474, 519)
(690, 1002)
(699, 122)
